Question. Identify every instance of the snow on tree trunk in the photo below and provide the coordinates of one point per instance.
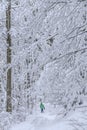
(8, 26)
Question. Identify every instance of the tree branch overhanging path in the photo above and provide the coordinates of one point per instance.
(56, 60)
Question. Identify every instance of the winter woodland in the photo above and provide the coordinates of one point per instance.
(43, 56)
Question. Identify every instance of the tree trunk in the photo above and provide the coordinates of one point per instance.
(8, 26)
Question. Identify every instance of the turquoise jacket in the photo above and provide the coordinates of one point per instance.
(42, 106)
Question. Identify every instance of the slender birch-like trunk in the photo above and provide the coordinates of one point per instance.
(8, 27)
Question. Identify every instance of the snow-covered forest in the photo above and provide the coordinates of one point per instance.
(43, 57)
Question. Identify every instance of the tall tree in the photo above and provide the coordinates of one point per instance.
(8, 26)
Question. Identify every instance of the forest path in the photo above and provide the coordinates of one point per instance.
(42, 121)
(76, 120)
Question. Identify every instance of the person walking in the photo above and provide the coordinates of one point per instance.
(42, 107)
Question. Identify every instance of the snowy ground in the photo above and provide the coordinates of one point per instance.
(75, 120)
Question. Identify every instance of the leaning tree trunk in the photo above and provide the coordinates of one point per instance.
(8, 27)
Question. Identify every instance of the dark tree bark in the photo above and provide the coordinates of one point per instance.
(8, 26)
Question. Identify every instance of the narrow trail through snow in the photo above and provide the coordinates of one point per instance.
(42, 122)
(49, 121)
